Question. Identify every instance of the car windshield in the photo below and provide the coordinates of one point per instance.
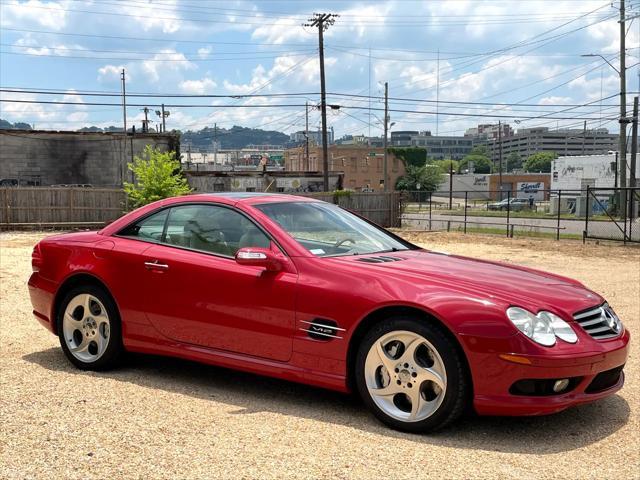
(328, 230)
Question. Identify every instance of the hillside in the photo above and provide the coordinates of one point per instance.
(234, 137)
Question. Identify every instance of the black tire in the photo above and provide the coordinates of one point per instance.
(114, 351)
(457, 394)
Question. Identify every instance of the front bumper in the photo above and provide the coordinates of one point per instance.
(42, 293)
(493, 376)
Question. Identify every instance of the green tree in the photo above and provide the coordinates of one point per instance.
(540, 162)
(428, 176)
(157, 176)
(416, 156)
(481, 163)
(513, 161)
(447, 165)
(480, 150)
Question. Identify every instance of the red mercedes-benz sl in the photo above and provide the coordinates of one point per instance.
(303, 290)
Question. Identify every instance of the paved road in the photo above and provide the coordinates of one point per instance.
(439, 221)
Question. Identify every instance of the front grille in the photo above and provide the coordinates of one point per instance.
(600, 322)
(605, 380)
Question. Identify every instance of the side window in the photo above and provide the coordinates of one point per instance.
(214, 229)
(149, 229)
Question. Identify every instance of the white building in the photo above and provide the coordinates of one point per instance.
(578, 172)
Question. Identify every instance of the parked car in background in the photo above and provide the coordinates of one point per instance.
(15, 182)
(72, 185)
(512, 204)
(305, 291)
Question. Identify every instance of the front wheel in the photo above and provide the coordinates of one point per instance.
(89, 329)
(410, 374)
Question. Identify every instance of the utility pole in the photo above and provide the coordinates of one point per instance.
(164, 124)
(584, 136)
(306, 137)
(623, 107)
(215, 143)
(438, 93)
(124, 126)
(500, 157)
(385, 166)
(634, 151)
(145, 125)
(323, 21)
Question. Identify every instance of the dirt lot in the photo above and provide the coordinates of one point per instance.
(163, 418)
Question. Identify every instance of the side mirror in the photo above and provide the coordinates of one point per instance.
(259, 257)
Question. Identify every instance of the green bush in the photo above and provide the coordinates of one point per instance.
(411, 156)
(157, 176)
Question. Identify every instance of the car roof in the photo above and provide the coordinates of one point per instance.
(250, 198)
(228, 198)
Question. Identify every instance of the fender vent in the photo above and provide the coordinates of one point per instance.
(322, 329)
(380, 259)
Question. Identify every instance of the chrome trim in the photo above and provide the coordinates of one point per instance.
(323, 325)
(320, 333)
(596, 322)
(589, 313)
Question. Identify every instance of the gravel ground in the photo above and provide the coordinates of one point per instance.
(164, 418)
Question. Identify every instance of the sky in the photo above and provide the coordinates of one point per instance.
(450, 64)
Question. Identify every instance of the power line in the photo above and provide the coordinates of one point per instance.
(361, 97)
(93, 58)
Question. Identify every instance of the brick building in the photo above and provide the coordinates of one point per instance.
(34, 157)
(362, 166)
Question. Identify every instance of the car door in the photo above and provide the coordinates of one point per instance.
(196, 292)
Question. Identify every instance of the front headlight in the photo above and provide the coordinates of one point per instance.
(542, 328)
(536, 328)
(561, 328)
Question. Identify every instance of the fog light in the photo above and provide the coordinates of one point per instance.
(560, 385)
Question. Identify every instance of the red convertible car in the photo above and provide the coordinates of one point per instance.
(303, 290)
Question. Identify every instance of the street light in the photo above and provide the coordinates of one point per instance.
(603, 58)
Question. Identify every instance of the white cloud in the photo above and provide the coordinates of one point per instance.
(297, 72)
(198, 87)
(166, 17)
(111, 73)
(168, 60)
(204, 52)
(51, 15)
(31, 46)
(553, 100)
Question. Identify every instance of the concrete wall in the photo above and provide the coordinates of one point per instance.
(290, 182)
(477, 184)
(360, 168)
(486, 186)
(575, 173)
(52, 158)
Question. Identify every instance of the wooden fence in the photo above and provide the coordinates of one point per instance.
(64, 206)
(385, 209)
(33, 207)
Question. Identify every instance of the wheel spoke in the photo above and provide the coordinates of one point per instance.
(101, 341)
(388, 391)
(71, 318)
(417, 403)
(410, 350)
(430, 374)
(384, 359)
(84, 345)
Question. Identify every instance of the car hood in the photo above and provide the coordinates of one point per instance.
(514, 285)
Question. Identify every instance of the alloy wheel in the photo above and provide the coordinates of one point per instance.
(405, 376)
(86, 327)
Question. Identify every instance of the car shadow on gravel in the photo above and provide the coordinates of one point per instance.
(565, 431)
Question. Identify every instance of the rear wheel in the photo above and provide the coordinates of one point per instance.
(89, 328)
(410, 374)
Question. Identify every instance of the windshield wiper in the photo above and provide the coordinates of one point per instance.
(392, 249)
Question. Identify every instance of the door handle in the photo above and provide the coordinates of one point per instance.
(155, 265)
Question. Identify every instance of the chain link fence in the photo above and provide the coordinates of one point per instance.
(559, 214)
